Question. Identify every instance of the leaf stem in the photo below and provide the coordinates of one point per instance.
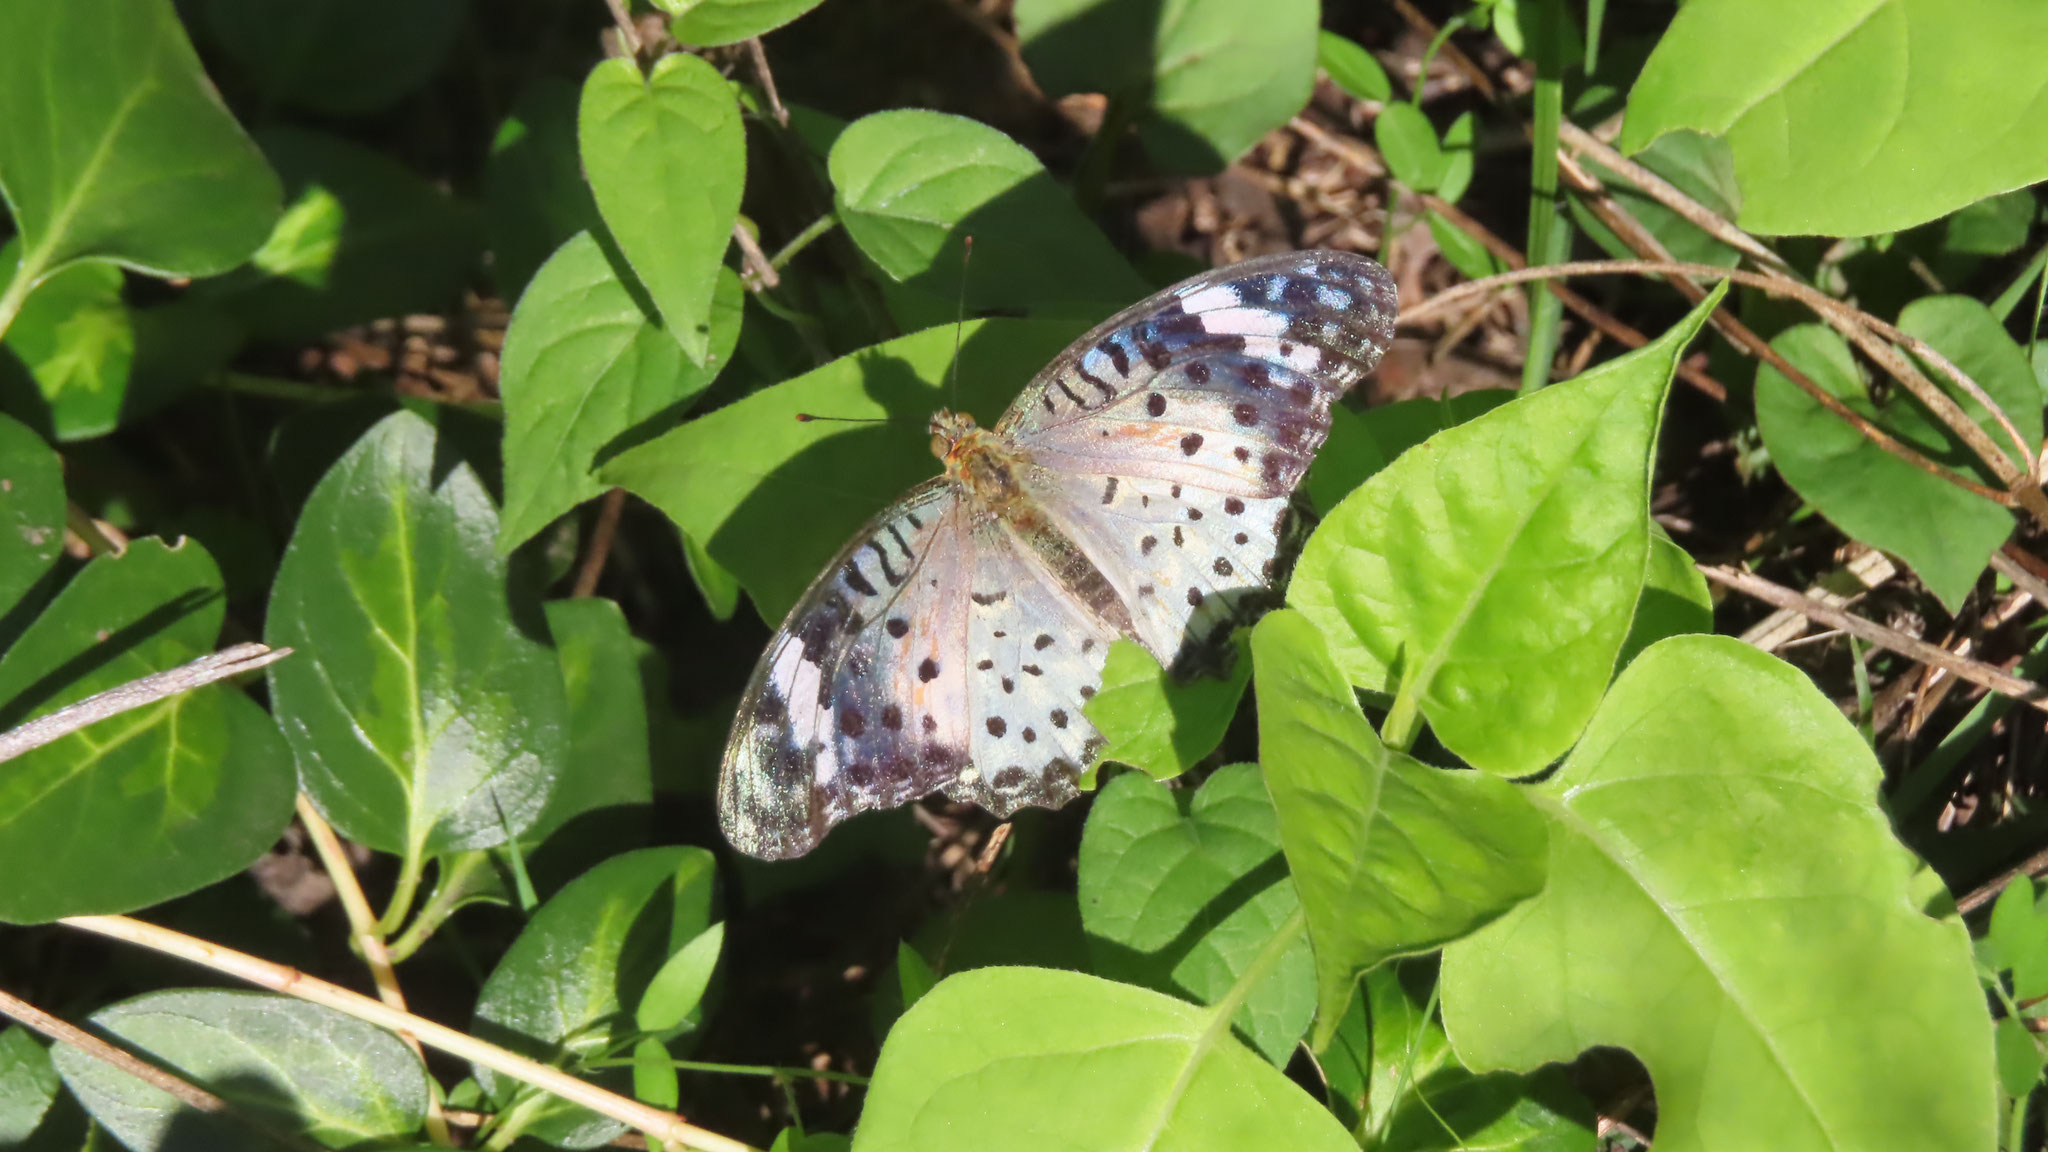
(26, 274)
(802, 240)
(278, 978)
(451, 885)
(410, 869)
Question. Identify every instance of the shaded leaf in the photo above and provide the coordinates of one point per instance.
(1944, 533)
(77, 341)
(28, 1084)
(1391, 857)
(535, 197)
(710, 23)
(340, 57)
(675, 992)
(910, 185)
(31, 514)
(583, 366)
(1181, 890)
(1756, 944)
(608, 762)
(1209, 77)
(193, 788)
(425, 716)
(561, 992)
(292, 1067)
(116, 147)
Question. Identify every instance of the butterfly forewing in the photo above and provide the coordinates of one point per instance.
(861, 700)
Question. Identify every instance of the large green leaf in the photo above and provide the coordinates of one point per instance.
(1945, 534)
(1210, 76)
(1181, 890)
(1362, 443)
(666, 158)
(565, 990)
(535, 197)
(773, 497)
(1391, 857)
(608, 753)
(911, 185)
(193, 788)
(361, 238)
(1851, 117)
(31, 514)
(1488, 576)
(1155, 724)
(339, 57)
(114, 146)
(710, 23)
(76, 340)
(1030, 1058)
(291, 1068)
(1675, 599)
(1726, 900)
(583, 365)
(425, 708)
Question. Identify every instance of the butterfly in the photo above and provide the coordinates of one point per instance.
(1139, 487)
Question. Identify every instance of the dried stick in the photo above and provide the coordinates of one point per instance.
(136, 694)
(1779, 596)
(1828, 309)
(1592, 313)
(1577, 139)
(601, 537)
(1984, 894)
(661, 1125)
(760, 273)
(767, 79)
(2020, 568)
(363, 923)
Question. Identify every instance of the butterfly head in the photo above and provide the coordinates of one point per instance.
(952, 434)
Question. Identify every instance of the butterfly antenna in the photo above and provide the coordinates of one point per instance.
(959, 323)
(807, 417)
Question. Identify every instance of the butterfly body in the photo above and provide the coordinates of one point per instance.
(1139, 488)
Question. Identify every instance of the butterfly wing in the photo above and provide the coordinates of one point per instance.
(1167, 442)
(934, 654)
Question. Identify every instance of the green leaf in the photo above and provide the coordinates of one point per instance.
(654, 1074)
(1352, 68)
(1699, 166)
(1465, 253)
(28, 1085)
(338, 57)
(291, 1067)
(2020, 1058)
(672, 996)
(1362, 443)
(1755, 942)
(710, 23)
(772, 498)
(583, 366)
(1391, 857)
(561, 992)
(1017, 926)
(2017, 940)
(1490, 574)
(1408, 141)
(116, 148)
(1946, 535)
(1181, 890)
(914, 977)
(1957, 120)
(1209, 77)
(911, 185)
(1458, 157)
(535, 198)
(1158, 726)
(1457, 1110)
(31, 516)
(608, 764)
(77, 341)
(424, 709)
(666, 159)
(362, 237)
(720, 588)
(1674, 600)
(1993, 226)
(1028, 1058)
(193, 788)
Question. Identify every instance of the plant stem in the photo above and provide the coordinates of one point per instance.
(451, 884)
(26, 274)
(802, 240)
(292, 982)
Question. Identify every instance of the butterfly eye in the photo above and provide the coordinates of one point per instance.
(940, 445)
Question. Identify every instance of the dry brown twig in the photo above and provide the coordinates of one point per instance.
(138, 694)
(662, 1125)
(1869, 631)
